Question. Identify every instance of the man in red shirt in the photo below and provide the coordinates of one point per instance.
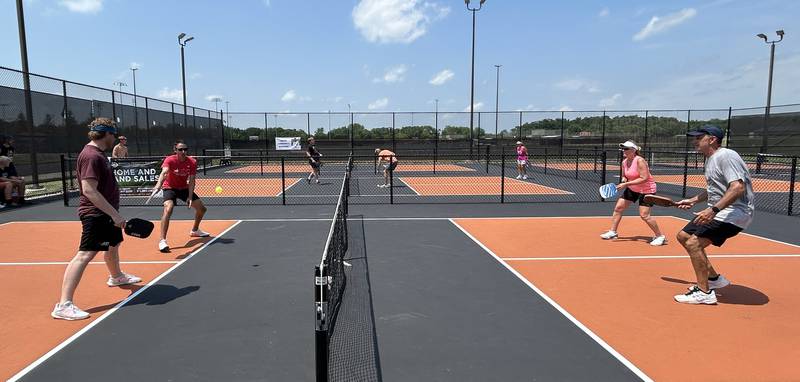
(102, 224)
(178, 180)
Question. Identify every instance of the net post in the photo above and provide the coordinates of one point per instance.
(64, 183)
(502, 178)
(283, 180)
(792, 183)
(320, 330)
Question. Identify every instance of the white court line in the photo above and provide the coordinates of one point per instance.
(408, 185)
(83, 331)
(636, 257)
(92, 263)
(566, 314)
(287, 188)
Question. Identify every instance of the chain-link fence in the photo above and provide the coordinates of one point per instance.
(62, 110)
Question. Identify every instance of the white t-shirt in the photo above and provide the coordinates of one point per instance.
(723, 168)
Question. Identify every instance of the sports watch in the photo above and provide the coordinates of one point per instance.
(715, 209)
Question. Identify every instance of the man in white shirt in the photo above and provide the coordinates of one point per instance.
(729, 193)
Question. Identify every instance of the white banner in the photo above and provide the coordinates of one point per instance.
(287, 143)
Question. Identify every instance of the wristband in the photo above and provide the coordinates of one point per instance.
(715, 209)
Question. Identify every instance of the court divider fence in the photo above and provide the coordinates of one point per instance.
(488, 177)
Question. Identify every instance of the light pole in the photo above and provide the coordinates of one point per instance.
(216, 100)
(26, 80)
(497, 100)
(472, 78)
(769, 84)
(182, 43)
(121, 108)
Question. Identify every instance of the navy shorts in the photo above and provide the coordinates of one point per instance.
(716, 231)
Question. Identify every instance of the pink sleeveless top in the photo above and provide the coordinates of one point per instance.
(521, 154)
(632, 172)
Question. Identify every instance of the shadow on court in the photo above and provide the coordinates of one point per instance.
(732, 294)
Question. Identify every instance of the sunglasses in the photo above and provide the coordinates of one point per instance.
(183, 149)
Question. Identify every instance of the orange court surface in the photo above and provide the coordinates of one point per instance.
(699, 181)
(622, 290)
(31, 274)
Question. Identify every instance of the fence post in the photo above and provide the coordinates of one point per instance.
(644, 144)
(685, 172)
(577, 161)
(502, 178)
(173, 121)
(391, 181)
(394, 147)
(519, 128)
(604, 158)
(435, 154)
(66, 196)
(561, 141)
(320, 331)
(487, 158)
(545, 160)
(266, 136)
(792, 183)
(603, 136)
(113, 106)
(205, 164)
(147, 125)
(283, 180)
(64, 115)
(728, 132)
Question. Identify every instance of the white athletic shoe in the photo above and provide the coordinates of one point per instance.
(199, 233)
(697, 296)
(383, 185)
(719, 283)
(609, 235)
(163, 246)
(524, 177)
(659, 240)
(68, 311)
(519, 176)
(123, 279)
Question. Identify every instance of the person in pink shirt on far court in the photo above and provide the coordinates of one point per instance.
(637, 182)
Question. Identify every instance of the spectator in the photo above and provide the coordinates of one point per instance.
(121, 149)
(10, 181)
(7, 148)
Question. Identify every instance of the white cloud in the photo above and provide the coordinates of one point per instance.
(610, 101)
(441, 77)
(170, 94)
(211, 97)
(604, 12)
(661, 24)
(82, 6)
(475, 106)
(395, 21)
(378, 104)
(289, 96)
(392, 75)
(577, 84)
(136, 65)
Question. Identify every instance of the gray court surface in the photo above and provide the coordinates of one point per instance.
(428, 303)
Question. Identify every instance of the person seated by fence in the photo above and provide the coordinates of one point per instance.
(389, 161)
(522, 160)
(121, 149)
(637, 182)
(7, 148)
(11, 182)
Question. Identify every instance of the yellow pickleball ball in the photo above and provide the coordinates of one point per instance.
(218, 189)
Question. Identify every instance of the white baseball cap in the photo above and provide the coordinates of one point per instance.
(629, 145)
(519, 142)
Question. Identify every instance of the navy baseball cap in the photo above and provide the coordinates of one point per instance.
(708, 130)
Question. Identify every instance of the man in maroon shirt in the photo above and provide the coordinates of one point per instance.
(98, 210)
(178, 180)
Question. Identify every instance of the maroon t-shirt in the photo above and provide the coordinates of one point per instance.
(93, 164)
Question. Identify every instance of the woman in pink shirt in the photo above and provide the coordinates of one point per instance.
(637, 182)
(522, 160)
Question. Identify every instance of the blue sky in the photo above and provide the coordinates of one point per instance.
(400, 55)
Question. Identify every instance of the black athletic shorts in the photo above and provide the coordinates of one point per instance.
(716, 231)
(315, 164)
(390, 166)
(99, 233)
(182, 194)
(634, 196)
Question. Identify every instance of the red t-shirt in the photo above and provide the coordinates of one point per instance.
(93, 164)
(178, 175)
